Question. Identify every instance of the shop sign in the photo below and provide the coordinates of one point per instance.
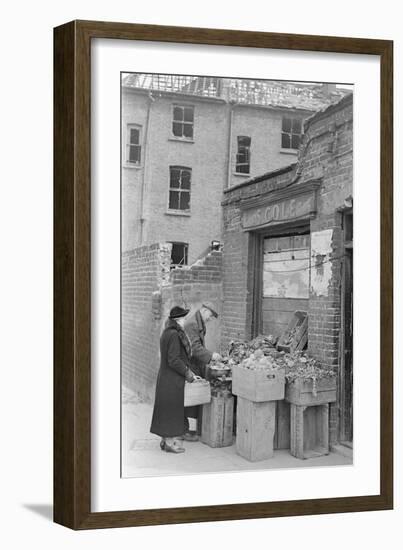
(279, 211)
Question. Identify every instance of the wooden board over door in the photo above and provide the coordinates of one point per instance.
(285, 280)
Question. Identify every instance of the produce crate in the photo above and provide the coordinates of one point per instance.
(309, 431)
(255, 426)
(218, 420)
(300, 392)
(258, 385)
(295, 335)
(282, 433)
(197, 393)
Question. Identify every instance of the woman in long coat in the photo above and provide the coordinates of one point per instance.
(169, 412)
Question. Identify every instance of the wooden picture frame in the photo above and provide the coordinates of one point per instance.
(72, 271)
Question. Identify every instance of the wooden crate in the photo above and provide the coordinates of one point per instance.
(258, 385)
(300, 392)
(255, 426)
(282, 433)
(309, 431)
(197, 393)
(295, 335)
(218, 420)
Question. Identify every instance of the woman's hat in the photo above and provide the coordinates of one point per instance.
(209, 305)
(177, 312)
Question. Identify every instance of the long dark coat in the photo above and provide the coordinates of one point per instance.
(169, 414)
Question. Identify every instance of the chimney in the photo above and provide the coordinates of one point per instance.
(328, 88)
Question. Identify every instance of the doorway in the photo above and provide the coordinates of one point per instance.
(285, 280)
(346, 370)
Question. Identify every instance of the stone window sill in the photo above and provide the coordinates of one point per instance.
(185, 213)
(293, 152)
(241, 174)
(181, 140)
(133, 166)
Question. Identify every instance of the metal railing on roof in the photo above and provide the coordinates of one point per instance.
(245, 91)
(200, 85)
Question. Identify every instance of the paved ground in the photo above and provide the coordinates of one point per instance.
(141, 454)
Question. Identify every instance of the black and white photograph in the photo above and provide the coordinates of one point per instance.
(236, 274)
(193, 353)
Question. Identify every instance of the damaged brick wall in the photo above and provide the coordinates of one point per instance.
(327, 153)
(190, 286)
(149, 290)
(144, 270)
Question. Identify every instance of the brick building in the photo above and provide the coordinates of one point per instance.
(187, 139)
(286, 233)
(288, 238)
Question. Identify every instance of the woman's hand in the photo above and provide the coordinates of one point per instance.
(189, 376)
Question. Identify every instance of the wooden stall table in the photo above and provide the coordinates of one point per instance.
(257, 392)
(310, 416)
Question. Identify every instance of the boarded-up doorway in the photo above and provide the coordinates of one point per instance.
(286, 262)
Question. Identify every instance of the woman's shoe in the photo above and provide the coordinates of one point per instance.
(162, 444)
(173, 448)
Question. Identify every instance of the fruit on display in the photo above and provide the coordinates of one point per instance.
(239, 350)
(261, 354)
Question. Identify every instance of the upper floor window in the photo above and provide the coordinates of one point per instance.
(291, 132)
(183, 121)
(179, 187)
(242, 165)
(133, 145)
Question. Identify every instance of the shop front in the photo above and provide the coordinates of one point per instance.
(288, 248)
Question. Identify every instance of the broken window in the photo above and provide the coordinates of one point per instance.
(242, 165)
(133, 146)
(179, 187)
(183, 120)
(291, 132)
(179, 254)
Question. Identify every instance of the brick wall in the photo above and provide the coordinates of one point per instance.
(190, 287)
(327, 153)
(143, 271)
(149, 291)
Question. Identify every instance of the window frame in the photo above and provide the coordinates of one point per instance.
(183, 122)
(179, 190)
(246, 152)
(133, 126)
(290, 134)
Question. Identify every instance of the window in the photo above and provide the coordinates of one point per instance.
(179, 254)
(133, 146)
(291, 132)
(179, 187)
(183, 120)
(242, 165)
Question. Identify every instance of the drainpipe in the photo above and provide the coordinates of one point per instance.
(229, 151)
(144, 179)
